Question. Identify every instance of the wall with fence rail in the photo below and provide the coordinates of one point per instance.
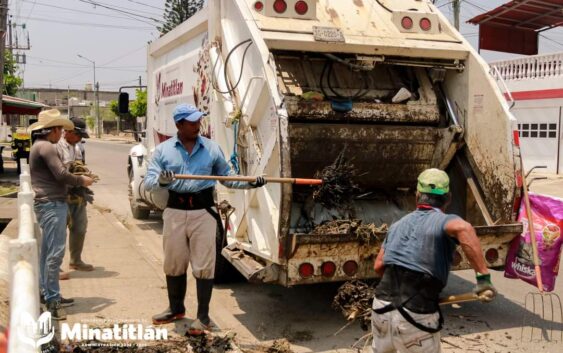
(529, 68)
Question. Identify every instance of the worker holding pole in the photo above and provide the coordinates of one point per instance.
(414, 262)
(190, 217)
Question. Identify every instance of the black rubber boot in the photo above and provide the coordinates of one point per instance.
(204, 290)
(176, 286)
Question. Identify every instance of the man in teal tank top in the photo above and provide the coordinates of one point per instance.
(414, 263)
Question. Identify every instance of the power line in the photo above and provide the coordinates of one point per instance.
(147, 5)
(89, 24)
(124, 55)
(84, 12)
(91, 2)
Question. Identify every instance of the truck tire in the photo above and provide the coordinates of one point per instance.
(225, 272)
(137, 211)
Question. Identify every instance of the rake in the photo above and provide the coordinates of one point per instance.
(546, 308)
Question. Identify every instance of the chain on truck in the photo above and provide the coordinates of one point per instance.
(288, 84)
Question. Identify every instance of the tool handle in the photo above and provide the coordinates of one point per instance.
(297, 181)
(532, 232)
(466, 297)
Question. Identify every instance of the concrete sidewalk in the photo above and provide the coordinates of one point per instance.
(127, 285)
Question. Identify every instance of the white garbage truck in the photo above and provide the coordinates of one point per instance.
(287, 85)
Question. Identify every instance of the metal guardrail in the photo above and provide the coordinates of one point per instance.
(24, 269)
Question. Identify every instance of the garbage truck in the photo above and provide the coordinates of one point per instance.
(288, 85)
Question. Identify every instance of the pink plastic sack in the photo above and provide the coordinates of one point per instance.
(548, 221)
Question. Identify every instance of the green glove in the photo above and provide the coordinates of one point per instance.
(484, 288)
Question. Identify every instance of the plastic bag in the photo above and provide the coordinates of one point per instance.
(548, 220)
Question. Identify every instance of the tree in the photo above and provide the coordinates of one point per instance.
(11, 81)
(177, 11)
(138, 107)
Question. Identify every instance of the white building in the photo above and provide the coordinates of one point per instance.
(535, 91)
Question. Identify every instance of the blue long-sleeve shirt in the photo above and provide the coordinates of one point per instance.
(206, 159)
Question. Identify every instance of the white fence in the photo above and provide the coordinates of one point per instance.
(533, 67)
(24, 271)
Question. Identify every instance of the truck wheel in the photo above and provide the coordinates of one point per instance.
(225, 272)
(136, 211)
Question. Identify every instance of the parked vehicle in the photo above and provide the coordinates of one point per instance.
(287, 84)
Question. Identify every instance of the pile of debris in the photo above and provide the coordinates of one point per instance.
(338, 188)
(354, 299)
(364, 232)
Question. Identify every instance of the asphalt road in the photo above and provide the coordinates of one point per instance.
(262, 313)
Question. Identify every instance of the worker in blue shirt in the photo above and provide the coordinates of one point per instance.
(190, 218)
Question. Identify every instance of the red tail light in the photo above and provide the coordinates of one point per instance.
(301, 7)
(350, 268)
(258, 6)
(457, 258)
(306, 270)
(406, 22)
(280, 6)
(425, 24)
(328, 269)
(491, 255)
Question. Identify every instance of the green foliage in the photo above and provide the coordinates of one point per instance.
(177, 11)
(90, 121)
(114, 107)
(11, 82)
(139, 106)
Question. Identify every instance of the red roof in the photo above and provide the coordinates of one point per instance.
(514, 26)
(20, 106)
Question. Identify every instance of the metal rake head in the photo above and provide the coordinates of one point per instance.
(545, 323)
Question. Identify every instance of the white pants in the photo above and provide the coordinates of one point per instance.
(189, 238)
(393, 333)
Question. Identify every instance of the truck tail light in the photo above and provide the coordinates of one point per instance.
(350, 268)
(258, 6)
(457, 258)
(328, 269)
(306, 270)
(491, 255)
(280, 6)
(425, 24)
(301, 7)
(406, 22)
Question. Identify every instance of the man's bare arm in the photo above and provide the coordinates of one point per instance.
(465, 234)
(378, 264)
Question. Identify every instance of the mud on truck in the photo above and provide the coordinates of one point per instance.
(288, 84)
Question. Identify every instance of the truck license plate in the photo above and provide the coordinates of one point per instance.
(328, 34)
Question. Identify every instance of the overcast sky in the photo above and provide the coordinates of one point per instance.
(116, 39)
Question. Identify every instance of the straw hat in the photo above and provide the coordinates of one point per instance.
(51, 118)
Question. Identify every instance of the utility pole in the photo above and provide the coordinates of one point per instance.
(3, 20)
(99, 124)
(456, 6)
(98, 119)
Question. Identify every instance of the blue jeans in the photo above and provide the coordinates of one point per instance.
(52, 220)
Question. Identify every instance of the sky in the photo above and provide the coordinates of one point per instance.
(115, 33)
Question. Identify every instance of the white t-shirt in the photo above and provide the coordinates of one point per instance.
(68, 153)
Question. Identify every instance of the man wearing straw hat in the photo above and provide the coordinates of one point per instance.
(190, 218)
(49, 179)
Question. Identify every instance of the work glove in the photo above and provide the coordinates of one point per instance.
(484, 288)
(165, 177)
(259, 182)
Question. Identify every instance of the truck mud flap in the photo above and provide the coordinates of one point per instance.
(252, 270)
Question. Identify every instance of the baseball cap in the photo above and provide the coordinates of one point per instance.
(80, 127)
(186, 112)
(433, 181)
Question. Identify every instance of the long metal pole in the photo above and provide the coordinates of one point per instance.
(3, 19)
(98, 122)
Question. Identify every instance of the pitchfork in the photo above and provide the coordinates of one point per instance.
(549, 303)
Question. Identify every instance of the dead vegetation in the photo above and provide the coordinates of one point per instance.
(338, 188)
(354, 300)
(364, 232)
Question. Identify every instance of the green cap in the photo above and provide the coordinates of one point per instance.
(433, 181)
